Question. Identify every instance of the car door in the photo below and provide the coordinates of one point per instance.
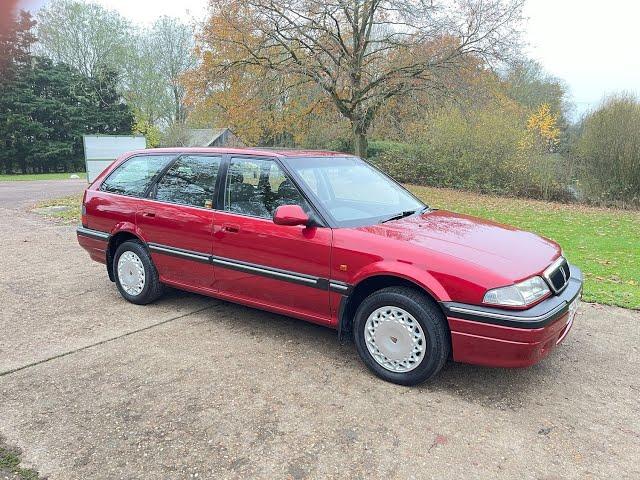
(176, 221)
(259, 262)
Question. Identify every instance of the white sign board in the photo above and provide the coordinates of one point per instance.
(101, 150)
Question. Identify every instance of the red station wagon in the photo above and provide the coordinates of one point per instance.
(326, 237)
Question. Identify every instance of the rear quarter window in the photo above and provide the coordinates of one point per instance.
(135, 175)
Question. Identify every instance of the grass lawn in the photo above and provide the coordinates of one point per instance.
(10, 464)
(604, 243)
(40, 176)
(71, 214)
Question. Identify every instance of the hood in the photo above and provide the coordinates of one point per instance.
(513, 254)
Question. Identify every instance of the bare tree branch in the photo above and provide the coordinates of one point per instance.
(362, 53)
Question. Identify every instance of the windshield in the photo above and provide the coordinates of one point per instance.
(352, 192)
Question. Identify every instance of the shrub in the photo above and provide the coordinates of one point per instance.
(483, 150)
(608, 151)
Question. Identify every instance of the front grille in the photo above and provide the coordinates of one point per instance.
(558, 274)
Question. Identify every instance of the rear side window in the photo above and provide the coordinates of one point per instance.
(135, 175)
(191, 180)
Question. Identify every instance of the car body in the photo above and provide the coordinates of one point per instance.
(269, 231)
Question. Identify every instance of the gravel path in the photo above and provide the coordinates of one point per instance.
(23, 194)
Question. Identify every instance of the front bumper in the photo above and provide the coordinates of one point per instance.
(504, 338)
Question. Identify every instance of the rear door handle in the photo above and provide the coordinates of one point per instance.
(148, 214)
(231, 228)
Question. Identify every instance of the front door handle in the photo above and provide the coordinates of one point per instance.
(231, 228)
(148, 214)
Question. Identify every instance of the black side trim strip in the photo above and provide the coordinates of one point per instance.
(179, 252)
(286, 275)
(270, 272)
(344, 323)
(474, 313)
(340, 287)
(96, 234)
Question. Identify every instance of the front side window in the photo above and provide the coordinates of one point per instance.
(256, 187)
(135, 175)
(352, 191)
(191, 180)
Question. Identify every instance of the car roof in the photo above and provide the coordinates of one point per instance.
(261, 151)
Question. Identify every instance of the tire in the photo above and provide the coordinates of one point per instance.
(405, 358)
(136, 264)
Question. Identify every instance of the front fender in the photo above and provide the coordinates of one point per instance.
(411, 273)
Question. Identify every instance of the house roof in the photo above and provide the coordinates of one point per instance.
(203, 137)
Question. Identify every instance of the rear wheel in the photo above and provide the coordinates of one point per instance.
(135, 274)
(401, 335)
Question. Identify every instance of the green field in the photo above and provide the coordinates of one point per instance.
(604, 243)
(40, 176)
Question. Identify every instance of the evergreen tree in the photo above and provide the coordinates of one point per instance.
(45, 108)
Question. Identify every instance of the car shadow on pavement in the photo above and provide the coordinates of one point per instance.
(504, 389)
(499, 388)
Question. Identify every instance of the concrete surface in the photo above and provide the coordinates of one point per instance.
(193, 387)
(23, 194)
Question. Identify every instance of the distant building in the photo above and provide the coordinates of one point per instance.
(212, 137)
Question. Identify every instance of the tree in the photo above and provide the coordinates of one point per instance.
(106, 111)
(16, 39)
(149, 63)
(45, 108)
(262, 107)
(145, 88)
(528, 84)
(84, 36)
(360, 53)
(161, 56)
(176, 135)
(151, 133)
(173, 44)
(608, 149)
(45, 112)
(542, 127)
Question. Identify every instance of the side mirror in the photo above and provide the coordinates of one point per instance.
(290, 215)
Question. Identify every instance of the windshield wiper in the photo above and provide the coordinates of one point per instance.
(398, 216)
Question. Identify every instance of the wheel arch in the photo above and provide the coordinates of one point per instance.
(377, 281)
(115, 240)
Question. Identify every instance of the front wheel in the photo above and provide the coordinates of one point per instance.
(401, 335)
(135, 274)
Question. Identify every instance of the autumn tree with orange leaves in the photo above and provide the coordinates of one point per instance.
(358, 54)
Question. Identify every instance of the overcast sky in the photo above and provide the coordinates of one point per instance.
(592, 45)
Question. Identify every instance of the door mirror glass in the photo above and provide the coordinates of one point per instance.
(290, 215)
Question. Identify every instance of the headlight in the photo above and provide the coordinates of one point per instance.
(518, 295)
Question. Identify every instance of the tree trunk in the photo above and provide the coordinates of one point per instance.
(177, 106)
(360, 142)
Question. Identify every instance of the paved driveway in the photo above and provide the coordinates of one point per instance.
(94, 387)
(24, 194)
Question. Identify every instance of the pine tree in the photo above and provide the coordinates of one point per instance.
(45, 108)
